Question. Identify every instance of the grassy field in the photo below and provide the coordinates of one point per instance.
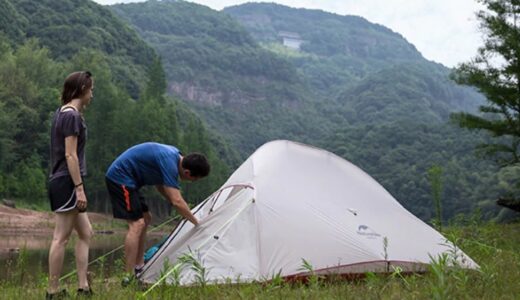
(495, 247)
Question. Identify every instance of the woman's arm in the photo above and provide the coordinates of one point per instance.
(71, 156)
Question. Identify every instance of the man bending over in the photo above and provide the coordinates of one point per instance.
(149, 164)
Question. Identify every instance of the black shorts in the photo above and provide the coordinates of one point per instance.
(127, 203)
(62, 194)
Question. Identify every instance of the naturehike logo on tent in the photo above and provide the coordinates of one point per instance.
(367, 231)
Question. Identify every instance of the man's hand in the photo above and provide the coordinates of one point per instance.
(147, 216)
(174, 196)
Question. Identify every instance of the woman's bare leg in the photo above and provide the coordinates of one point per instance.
(84, 230)
(64, 222)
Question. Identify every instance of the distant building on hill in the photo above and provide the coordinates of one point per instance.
(291, 39)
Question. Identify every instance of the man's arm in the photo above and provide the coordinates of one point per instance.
(174, 196)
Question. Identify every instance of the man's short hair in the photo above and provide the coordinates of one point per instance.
(197, 164)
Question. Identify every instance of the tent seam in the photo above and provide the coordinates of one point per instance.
(230, 221)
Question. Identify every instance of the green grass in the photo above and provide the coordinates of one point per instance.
(495, 247)
(37, 205)
(110, 224)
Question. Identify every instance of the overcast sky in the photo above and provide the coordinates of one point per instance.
(444, 31)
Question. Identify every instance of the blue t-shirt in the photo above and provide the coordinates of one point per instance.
(146, 164)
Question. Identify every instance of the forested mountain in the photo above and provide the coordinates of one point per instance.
(246, 92)
(352, 87)
(420, 92)
(352, 35)
(253, 73)
(335, 50)
(43, 41)
(338, 52)
(392, 106)
(67, 27)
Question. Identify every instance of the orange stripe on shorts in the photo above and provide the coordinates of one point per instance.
(127, 198)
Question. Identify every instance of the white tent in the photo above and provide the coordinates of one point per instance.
(289, 202)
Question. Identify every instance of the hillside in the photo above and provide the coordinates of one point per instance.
(390, 106)
(42, 42)
(337, 49)
(337, 52)
(69, 27)
(247, 93)
(352, 35)
(417, 92)
(346, 87)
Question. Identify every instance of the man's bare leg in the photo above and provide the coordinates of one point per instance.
(133, 236)
(147, 216)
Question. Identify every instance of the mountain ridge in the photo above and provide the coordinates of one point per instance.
(347, 99)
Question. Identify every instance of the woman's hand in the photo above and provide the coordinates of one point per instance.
(81, 198)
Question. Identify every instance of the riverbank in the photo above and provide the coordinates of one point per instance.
(25, 236)
(19, 221)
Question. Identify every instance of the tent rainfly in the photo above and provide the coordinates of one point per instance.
(290, 202)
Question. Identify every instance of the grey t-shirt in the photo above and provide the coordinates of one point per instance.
(67, 123)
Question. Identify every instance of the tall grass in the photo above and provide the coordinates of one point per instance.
(494, 247)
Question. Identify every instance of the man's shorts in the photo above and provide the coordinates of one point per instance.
(127, 203)
(62, 194)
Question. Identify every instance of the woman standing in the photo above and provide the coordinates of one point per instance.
(66, 188)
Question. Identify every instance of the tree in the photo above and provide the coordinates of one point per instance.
(156, 85)
(435, 177)
(495, 73)
(27, 79)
